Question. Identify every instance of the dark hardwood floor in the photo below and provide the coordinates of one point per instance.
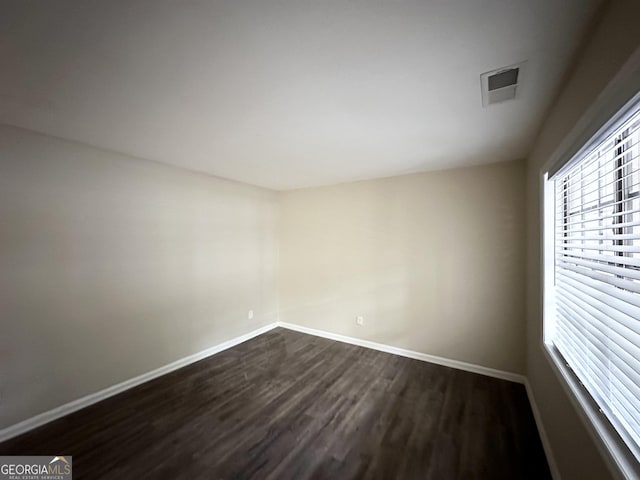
(291, 406)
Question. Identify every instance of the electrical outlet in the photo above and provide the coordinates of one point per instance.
(360, 320)
(250, 314)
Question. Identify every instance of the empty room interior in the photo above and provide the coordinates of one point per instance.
(320, 239)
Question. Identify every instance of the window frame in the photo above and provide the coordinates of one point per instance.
(621, 193)
(613, 105)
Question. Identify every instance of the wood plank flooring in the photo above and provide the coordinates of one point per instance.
(286, 405)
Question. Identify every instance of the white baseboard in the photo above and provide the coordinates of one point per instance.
(546, 445)
(469, 367)
(67, 408)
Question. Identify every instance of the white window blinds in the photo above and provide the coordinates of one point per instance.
(597, 275)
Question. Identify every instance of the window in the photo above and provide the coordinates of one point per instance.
(592, 313)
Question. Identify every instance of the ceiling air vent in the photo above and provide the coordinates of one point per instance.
(501, 85)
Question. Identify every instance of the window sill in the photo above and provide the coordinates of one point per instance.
(620, 460)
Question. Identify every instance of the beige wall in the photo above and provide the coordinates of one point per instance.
(112, 266)
(610, 44)
(434, 262)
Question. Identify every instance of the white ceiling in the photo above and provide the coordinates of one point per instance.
(286, 93)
